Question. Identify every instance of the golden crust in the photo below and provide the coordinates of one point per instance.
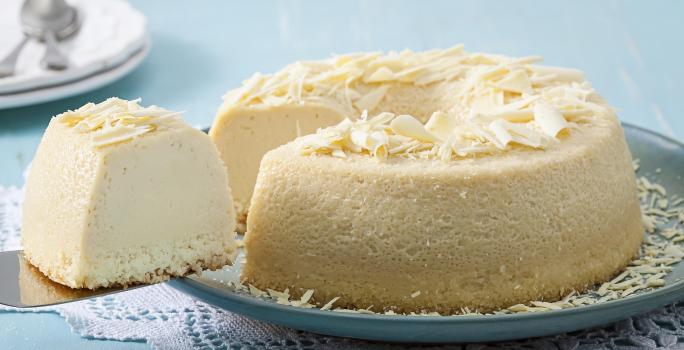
(481, 233)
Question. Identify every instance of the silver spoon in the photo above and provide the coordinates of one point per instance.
(50, 21)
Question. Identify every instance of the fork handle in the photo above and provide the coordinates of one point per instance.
(54, 59)
(9, 63)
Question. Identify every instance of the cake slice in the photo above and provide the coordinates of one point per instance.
(120, 194)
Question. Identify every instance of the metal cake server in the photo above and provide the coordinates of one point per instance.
(23, 286)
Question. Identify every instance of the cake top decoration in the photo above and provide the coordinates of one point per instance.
(116, 120)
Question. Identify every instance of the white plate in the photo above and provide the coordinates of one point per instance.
(111, 31)
(76, 87)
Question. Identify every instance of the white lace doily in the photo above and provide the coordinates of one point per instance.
(168, 319)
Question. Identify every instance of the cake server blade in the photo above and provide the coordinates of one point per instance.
(24, 286)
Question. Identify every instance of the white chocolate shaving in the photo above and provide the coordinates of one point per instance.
(494, 103)
(516, 81)
(383, 74)
(500, 130)
(356, 82)
(408, 126)
(549, 119)
(116, 120)
(441, 125)
(558, 73)
(405, 136)
(329, 304)
(372, 99)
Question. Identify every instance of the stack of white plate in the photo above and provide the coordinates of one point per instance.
(111, 42)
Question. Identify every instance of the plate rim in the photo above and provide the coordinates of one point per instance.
(669, 139)
(77, 86)
(672, 288)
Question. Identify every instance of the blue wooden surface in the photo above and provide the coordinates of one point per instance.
(631, 51)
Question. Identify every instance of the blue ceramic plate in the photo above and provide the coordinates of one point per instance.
(653, 150)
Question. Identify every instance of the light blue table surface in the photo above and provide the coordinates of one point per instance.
(631, 51)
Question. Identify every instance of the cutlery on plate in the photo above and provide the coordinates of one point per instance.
(50, 21)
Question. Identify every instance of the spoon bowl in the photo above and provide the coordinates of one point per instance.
(41, 16)
(50, 21)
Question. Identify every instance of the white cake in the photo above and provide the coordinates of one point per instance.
(269, 110)
(120, 194)
(498, 182)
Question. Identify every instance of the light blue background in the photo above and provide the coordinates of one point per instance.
(632, 52)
